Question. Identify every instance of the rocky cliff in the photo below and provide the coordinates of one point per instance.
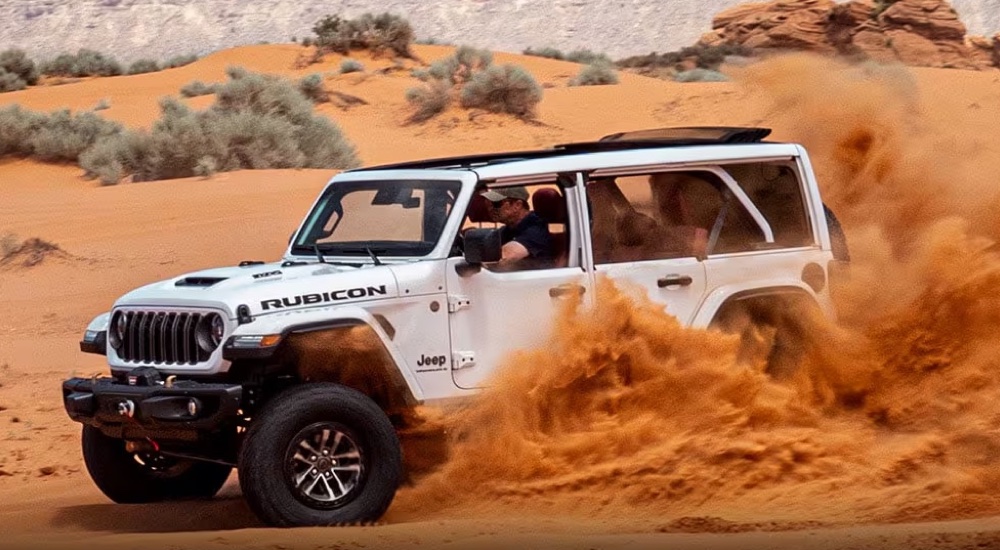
(161, 28)
(915, 32)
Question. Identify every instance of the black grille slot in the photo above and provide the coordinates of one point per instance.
(163, 338)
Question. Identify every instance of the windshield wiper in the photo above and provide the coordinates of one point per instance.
(319, 255)
(374, 258)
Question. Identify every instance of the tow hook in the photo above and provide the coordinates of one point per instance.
(126, 408)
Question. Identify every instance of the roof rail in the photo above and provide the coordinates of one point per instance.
(657, 137)
(672, 137)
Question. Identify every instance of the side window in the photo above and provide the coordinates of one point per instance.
(667, 215)
(777, 192)
(543, 226)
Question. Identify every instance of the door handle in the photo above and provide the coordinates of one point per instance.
(674, 280)
(567, 289)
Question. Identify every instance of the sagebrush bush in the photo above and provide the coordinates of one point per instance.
(142, 66)
(459, 67)
(351, 66)
(550, 53)
(311, 86)
(595, 74)
(57, 137)
(84, 63)
(257, 121)
(180, 61)
(502, 89)
(102, 105)
(428, 100)
(197, 88)
(587, 57)
(378, 33)
(10, 82)
(704, 56)
(65, 136)
(700, 75)
(17, 62)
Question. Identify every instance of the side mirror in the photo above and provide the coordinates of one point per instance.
(483, 246)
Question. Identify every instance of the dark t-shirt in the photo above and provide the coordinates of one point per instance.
(533, 234)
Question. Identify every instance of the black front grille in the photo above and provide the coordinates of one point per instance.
(157, 337)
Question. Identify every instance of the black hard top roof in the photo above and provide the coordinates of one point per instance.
(640, 139)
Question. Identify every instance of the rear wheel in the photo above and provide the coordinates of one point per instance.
(320, 454)
(773, 331)
(131, 478)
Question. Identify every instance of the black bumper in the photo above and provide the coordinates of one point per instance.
(123, 410)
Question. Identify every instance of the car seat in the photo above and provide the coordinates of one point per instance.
(550, 205)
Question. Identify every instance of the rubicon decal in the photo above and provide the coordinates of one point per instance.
(322, 298)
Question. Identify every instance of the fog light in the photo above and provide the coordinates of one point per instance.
(90, 336)
(193, 407)
(266, 341)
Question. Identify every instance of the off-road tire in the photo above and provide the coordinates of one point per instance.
(124, 480)
(269, 487)
(781, 314)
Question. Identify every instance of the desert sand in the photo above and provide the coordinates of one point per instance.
(889, 438)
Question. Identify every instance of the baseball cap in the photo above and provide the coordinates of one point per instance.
(497, 195)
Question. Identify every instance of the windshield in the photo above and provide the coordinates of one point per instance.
(382, 218)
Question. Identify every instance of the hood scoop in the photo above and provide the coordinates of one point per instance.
(200, 282)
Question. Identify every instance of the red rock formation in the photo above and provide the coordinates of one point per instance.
(915, 32)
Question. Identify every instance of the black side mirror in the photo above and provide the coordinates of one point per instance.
(483, 246)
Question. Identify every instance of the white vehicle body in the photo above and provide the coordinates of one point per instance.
(441, 350)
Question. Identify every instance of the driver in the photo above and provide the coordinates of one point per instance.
(525, 234)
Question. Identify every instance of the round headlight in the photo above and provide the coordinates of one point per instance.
(218, 329)
(116, 332)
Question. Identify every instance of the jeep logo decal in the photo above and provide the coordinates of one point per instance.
(433, 360)
(335, 296)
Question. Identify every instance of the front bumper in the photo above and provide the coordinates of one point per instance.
(186, 410)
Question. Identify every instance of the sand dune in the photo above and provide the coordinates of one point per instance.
(925, 153)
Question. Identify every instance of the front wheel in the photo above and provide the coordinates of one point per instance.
(320, 454)
(134, 478)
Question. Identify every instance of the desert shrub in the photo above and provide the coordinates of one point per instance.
(700, 75)
(84, 63)
(102, 105)
(428, 100)
(16, 128)
(587, 57)
(311, 86)
(550, 53)
(197, 88)
(64, 136)
(10, 82)
(143, 66)
(502, 89)
(379, 33)
(459, 67)
(206, 167)
(704, 56)
(180, 61)
(17, 62)
(257, 121)
(351, 66)
(57, 137)
(595, 74)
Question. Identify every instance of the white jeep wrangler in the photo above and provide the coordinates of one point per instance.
(257, 366)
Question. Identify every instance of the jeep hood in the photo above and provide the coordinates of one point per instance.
(268, 288)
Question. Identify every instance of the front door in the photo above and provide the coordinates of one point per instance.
(496, 314)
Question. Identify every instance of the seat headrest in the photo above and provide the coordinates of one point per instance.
(480, 209)
(549, 204)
